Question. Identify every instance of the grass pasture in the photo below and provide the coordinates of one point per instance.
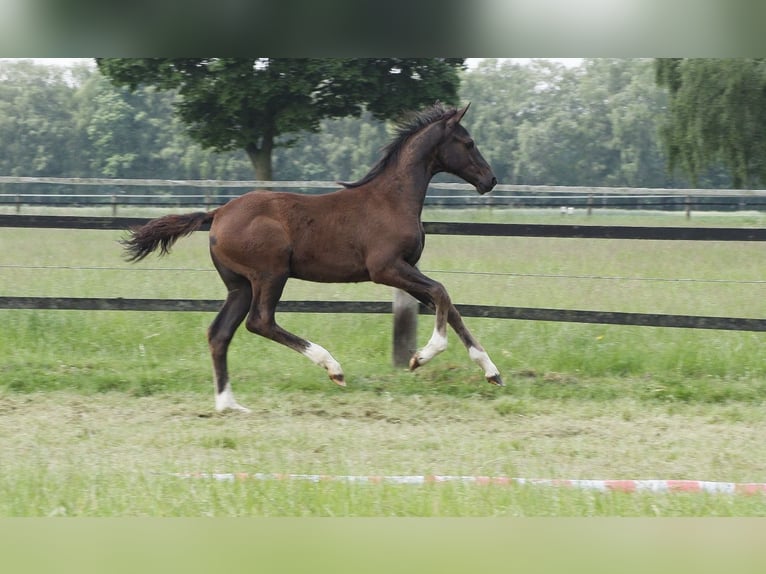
(98, 409)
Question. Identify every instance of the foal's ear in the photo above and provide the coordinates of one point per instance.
(454, 120)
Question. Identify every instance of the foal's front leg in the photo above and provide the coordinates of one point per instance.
(433, 294)
(475, 351)
(438, 343)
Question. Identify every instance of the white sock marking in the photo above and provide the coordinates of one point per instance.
(483, 360)
(225, 400)
(320, 356)
(436, 344)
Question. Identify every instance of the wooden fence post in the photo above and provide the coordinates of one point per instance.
(405, 327)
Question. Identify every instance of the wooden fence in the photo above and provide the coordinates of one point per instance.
(435, 228)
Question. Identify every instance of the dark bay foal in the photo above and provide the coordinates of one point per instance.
(368, 231)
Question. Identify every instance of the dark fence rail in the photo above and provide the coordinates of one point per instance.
(442, 228)
(448, 199)
(381, 307)
(482, 229)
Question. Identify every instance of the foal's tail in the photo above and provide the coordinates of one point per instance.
(163, 233)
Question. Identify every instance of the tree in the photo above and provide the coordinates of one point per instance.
(503, 98)
(344, 149)
(544, 123)
(636, 111)
(716, 115)
(37, 133)
(259, 104)
(126, 131)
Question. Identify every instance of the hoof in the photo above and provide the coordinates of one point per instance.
(240, 409)
(338, 380)
(234, 407)
(495, 380)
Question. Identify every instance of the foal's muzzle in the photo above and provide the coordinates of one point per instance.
(486, 187)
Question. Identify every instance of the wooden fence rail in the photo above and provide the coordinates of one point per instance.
(442, 228)
(382, 307)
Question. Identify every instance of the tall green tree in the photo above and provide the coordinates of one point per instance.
(126, 131)
(716, 115)
(38, 134)
(594, 124)
(344, 149)
(258, 104)
(504, 97)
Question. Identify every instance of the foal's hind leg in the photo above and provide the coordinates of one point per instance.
(222, 330)
(266, 293)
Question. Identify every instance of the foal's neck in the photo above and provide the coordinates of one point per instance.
(415, 167)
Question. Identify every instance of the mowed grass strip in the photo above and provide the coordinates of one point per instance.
(111, 455)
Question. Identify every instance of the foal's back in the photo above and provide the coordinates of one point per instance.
(321, 238)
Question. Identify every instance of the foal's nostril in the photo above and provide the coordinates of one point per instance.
(494, 182)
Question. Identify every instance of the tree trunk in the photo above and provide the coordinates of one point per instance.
(260, 158)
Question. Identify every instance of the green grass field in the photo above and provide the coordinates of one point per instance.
(97, 409)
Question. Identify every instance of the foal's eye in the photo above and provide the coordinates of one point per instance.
(469, 144)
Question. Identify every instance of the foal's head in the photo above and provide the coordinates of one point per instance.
(449, 147)
(457, 154)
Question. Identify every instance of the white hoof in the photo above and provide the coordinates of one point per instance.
(320, 356)
(225, 401)
(234, 407)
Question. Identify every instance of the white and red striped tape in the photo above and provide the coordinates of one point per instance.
(598, 485)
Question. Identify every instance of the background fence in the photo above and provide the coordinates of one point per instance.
(116, 193)
(482, 229)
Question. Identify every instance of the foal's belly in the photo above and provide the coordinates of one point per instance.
(328, 271)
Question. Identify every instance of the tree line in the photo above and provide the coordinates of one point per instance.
(596, 124)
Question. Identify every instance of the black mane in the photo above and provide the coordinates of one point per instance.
(405, 127)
